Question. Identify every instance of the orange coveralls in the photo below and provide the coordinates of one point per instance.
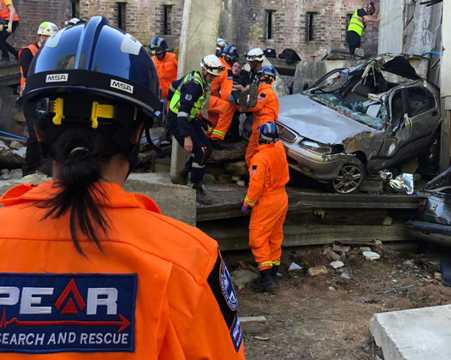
(221, 110)
(160, 290)
(266, 110)
(167, 72)
(266, 194)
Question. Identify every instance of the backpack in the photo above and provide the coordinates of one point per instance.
(290, 56)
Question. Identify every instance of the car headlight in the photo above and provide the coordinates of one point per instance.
(319, 148)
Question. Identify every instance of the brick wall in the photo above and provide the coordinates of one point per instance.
(243, 22)
(32, 13)
(330, 21)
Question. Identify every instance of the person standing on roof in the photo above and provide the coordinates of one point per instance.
(166, 64)
(186, 100)
(9, 21)
(266, 109)
(358, 23)
(89, 270)
(26, 56)
(267, 196)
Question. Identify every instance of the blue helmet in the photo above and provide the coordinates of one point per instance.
(230, 53)
(268, 133)
(269, 71)
(95, 58)
(158, 45)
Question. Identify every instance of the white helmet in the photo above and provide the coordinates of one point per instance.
(212, 64)
(221, 43)
(47, 29)
(255, 54)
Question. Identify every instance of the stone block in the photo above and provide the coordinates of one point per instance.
(416, 334)
(235, 153)
(237, 168)
(176, 201)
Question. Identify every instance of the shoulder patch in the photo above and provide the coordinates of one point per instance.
(52, 313)
(263, 95)
(188, 97)
(224, 292)
(254, 169)
(229, 75)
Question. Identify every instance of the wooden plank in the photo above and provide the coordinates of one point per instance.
(301, 235)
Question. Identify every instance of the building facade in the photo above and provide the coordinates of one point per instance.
(310, 27)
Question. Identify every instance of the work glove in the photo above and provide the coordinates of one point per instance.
(245, 209)
(204, 123)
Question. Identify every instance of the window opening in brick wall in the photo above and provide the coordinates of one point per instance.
(270, 24)
(311, 26)
(121, 15)
(75, 5)
(167, 19)
(348, 18)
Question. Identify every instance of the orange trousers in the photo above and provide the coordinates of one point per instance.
(266, 228)
(220, 113)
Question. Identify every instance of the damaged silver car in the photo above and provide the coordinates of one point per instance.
(359, 120)
(433, 222)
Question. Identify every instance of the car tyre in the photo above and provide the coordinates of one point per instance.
(350, 177)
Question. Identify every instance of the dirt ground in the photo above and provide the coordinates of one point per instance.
(327, 316)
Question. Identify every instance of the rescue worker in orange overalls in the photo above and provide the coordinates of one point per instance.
(89, 270)
(267, 108)
(166, 64)
(221, 110)
(268, 198)
(26, 56)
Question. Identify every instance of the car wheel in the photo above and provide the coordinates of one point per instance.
(350, 177)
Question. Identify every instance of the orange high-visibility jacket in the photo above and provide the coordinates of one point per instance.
(33, 49)
(267, 108)
(160, 290)
(268, 173)
(5, 12)
(222, 82)
(167, 72)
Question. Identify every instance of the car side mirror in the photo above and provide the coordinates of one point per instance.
(306, 86)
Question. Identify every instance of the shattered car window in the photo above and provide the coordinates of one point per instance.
(369, 112)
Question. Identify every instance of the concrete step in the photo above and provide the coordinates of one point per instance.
(417, 334)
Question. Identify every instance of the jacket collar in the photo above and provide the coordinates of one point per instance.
(117, 197)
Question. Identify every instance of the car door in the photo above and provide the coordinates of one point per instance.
(396, 143)
(423, 117)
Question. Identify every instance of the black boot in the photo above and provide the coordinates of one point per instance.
(274, 271)
(181, 178)
(265, 283)
(201, 195)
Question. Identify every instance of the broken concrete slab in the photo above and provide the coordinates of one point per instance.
(242, 277)
(176, 201)
(317, 270)
(416, 334)
(237, 152)
(237, 168)
(254, 325)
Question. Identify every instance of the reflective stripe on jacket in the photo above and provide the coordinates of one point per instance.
(355, 24)
(198, 105)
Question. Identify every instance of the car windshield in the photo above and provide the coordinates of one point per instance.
(370, 112)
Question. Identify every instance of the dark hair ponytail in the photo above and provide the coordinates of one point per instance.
(79, 154)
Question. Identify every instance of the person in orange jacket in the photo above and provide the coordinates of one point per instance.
(87, 269)
(267, 108)
(221, 109)
(166, 64)
(267, 196)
